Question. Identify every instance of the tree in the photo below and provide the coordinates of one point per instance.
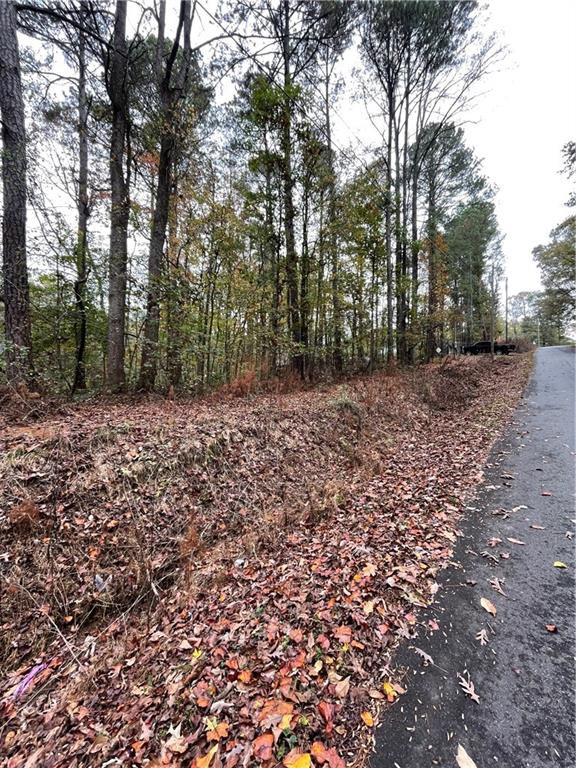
(171, 72)
(117, 87)
(14, 265)
(569, 170)
(556, 262)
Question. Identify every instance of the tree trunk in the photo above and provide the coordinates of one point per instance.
(15, 272)
(288, 184)
(149, 364)
(83, 213)
(304, 287)
(337, 325)
(119, 204)
(170, 94)
(398, 238)
(388, 232)
(414, 247)
(432, 278)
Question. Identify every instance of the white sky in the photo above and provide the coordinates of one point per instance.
(522, 124)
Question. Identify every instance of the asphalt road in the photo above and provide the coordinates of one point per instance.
(525, 675)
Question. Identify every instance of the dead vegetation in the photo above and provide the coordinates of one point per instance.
(173, 564)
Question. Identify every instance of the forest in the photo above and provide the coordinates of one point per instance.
(180, 215)
(244, 244)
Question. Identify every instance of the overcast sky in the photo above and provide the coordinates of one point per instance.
(522, 123)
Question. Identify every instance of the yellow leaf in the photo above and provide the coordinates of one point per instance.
(389, 690)
(488, 605)
(560, 564)
(196, 653)
(298, 761)
(204, 762)
(285, 722)
(368, 719)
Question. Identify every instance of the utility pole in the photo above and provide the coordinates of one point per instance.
(506, 310)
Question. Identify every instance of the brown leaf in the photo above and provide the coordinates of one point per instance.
(468, 688)
(326, 711)
(262, 746)
(343, 634)
(341, 688)
(488, 605)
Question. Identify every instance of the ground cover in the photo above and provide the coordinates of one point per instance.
(222, 582)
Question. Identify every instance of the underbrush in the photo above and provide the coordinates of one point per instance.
(208, 539)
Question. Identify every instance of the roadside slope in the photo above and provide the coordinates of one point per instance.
(224, 582)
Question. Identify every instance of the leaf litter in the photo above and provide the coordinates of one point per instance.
(262, 559)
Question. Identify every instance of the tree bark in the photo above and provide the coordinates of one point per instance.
(83, 213)
(14, 266)
(120, 205)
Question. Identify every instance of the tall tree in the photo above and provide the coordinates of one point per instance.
(14, 264)
(79, 382)
(172, 80)
(117, 87)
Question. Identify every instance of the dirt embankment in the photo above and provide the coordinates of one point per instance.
(220, 584)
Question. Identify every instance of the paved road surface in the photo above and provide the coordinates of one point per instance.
(524, 676)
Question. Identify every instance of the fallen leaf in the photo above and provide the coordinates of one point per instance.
(537, 527)
(326, 756)
(176, 743)
(298, 761)
(551, 627)
(367, 717)
(326, 711)
(341, 688)
(388, 689)
(204, 762)
(375, 694)
(515, 541)
(482, 636)
(495, 584)
(468, 688)
(426, 658)
(262, 746)
(546, 493)
(559, 564)
(215, 730)
(343, 634)
(488, 605)
(463, 758)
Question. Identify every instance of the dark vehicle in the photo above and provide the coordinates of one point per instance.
(485, 347)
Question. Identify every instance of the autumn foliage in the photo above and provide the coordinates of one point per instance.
(223, 584)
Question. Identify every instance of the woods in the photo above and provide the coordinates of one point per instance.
(249, 235)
